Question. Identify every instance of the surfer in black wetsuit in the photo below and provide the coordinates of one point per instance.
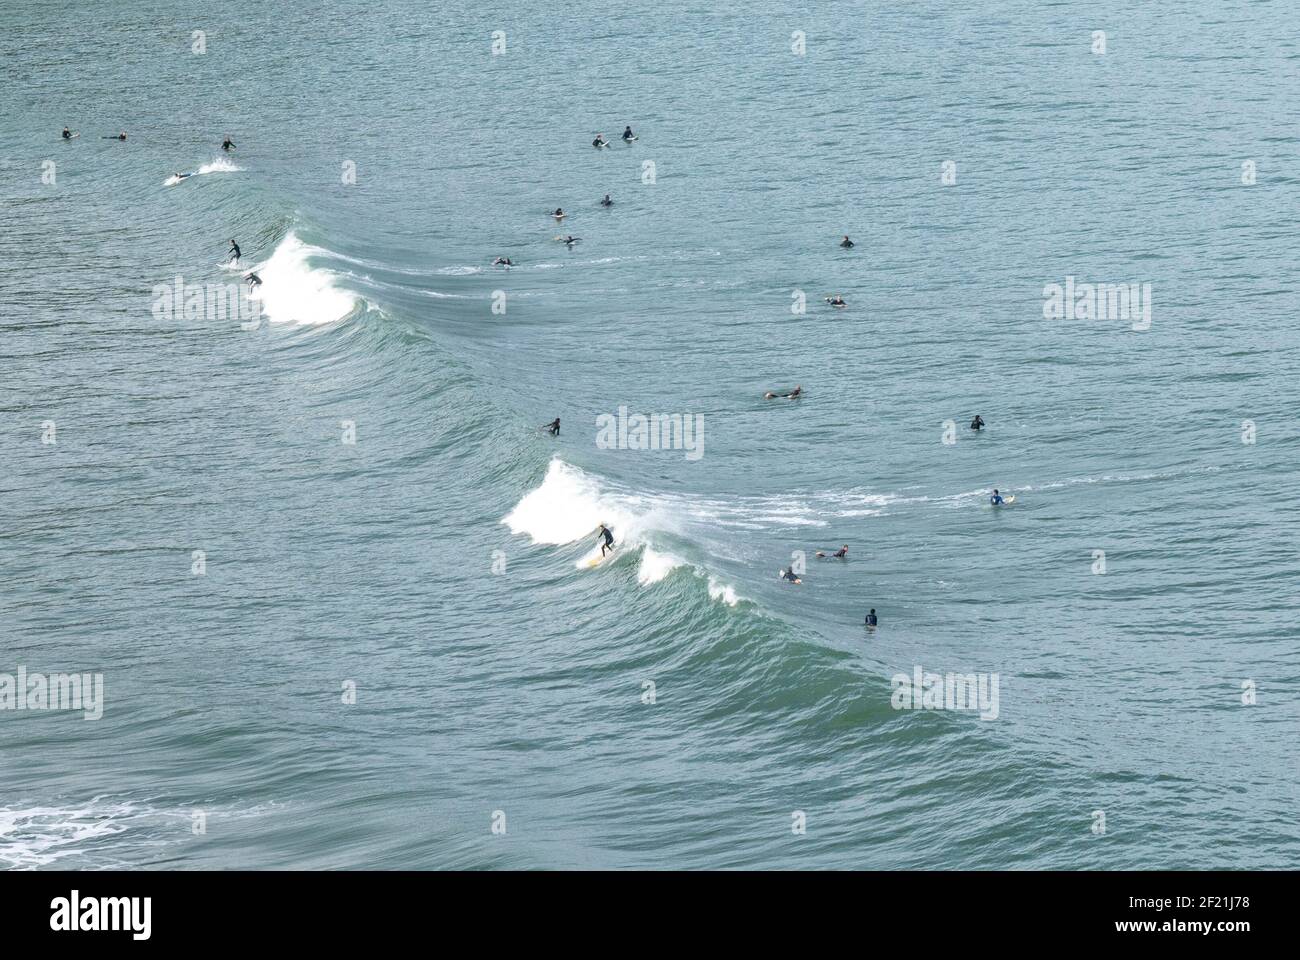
(227, 144)
(977, 423)
(553, 427)
(253, 280)
(67, 134)
(789, 575)
(836, 301)
(502, 262)
(846, 242)
(609, 539)
(842, 553)
(607, 202)
(234, 252)
(570, 240)
(628, 135)
(600, 141)
(871, 617)
(792, 395)
(559, 213)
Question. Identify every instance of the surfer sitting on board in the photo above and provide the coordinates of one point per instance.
(67, 134)
(842, 552)
(789, 575)
(977, 423)
(604, 532)
(996, 500)
(792, 395)
(846, 242)
(871, 617)
(227, 144)
(628, 135)
(553, 427)
(600, 141)
(607, 202)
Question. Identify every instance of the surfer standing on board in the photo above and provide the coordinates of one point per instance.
(609, 539)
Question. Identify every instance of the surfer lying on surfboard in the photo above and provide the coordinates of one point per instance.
(842, 553)
(792, 395)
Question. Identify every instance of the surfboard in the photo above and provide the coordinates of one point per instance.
(597, 560)
(75, 135)
(1010, 499)
(630, 139)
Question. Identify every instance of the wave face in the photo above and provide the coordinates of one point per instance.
(235, 523)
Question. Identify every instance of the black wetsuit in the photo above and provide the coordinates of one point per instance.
(227, 145)
(871, 619)
(234, 249)
(846, 243)
(628, 134)
(554, 427)
(609, 540)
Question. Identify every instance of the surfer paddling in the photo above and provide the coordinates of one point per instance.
(842, 553)
(792, 395)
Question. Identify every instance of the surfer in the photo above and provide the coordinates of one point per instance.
(67, 134)
(792, 395)
(628, 135)
(846, 242)
(559, 213)
(836, 301)
(182, 176)
(569, 241)
(600, 141)
(996, 500)
(977, 423)
(604, 532)
(234, 252)
(503, 262)
(227, 144)
(607, 202)
(553, 427)
(253, 280)
(120, 136)
(789, 575)
(871, 617)
(842, 553)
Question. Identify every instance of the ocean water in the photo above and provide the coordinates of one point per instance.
(199, 532)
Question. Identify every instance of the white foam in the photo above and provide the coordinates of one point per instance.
(216, 166)
(38, 836)
(220, 165)
(292, 291)
(655, 566)
(723, 592)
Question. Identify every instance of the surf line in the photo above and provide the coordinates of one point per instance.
(658, 431)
